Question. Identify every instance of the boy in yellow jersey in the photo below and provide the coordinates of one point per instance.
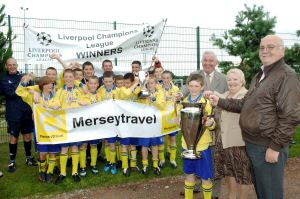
(109, 91)
(69, 96)
(119, 81)
(170, 91)
(93, 97)
(46, 86)
(202, 167)
(129, 92)
(51, 72)
(156, 99)
(78, 74)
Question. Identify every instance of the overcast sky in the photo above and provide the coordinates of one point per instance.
(190, 13)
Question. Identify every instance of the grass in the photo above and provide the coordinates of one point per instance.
(24, 182)
(295, 149)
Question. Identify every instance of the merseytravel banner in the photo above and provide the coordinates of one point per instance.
(105, 119)
(90, 45)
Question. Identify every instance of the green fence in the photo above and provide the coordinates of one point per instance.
(180, 50)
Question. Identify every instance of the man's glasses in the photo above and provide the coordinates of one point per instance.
(268, 48)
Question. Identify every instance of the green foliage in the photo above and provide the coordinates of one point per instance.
(252, 24)
(292, 56)
(5, 40)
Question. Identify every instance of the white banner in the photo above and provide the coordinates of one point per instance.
(81, 45)
(105, 119)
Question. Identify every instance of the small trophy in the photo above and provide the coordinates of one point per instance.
(192, 127)
(144, 93)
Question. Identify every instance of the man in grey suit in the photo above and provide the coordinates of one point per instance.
(214, 81)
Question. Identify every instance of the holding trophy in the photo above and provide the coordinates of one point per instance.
(192, 127)
(197, 122)
(143, 80)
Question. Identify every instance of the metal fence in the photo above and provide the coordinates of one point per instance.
(180, 50)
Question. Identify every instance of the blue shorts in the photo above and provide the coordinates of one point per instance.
(155, 141)
(113, 140)
(25, 127)
(91, 142)
(94, 142)
(70, 144)
(202, 167)
(48, 148)
(130, 141)
(173, 134)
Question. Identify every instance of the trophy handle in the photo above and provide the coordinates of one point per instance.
(203, 129)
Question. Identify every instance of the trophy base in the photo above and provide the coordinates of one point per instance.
(143, 94)
(190, 154)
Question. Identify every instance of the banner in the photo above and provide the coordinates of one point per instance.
(105, 119)
(84, 45)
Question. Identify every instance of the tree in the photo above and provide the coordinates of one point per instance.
(292, 56)
(5, 41)
(252, 24)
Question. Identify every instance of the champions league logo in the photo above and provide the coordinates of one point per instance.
(44, 38)
(148, 31)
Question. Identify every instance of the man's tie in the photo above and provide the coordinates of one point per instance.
(207, 81)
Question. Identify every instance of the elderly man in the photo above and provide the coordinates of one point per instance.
(270, 112)
(214, 80)
(18, 115)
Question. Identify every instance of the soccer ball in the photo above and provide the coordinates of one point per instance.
(44, 38)
(148, 31)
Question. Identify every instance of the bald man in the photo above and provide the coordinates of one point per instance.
(18, 115)
(270, 113)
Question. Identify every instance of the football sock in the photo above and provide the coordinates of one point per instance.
(82, 158)
(189, 189)
(94, 155)
(75, 161)
(207, 191)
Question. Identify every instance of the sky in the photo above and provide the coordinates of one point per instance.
(218, 14)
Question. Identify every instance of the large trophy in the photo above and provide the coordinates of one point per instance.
(144, 93)
(192, 127)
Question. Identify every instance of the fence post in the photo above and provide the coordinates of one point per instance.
(115, 28)
(9, 26)
(198, 47)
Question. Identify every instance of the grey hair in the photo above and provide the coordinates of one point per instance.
(208, 52)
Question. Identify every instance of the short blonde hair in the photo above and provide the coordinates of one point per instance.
(239, 73)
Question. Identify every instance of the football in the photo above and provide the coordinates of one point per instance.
(148, 31)
(44, 38)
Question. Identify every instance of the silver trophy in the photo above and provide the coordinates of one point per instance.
(144, 92)
(192, 127)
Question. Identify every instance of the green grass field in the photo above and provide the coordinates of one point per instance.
(24, 182)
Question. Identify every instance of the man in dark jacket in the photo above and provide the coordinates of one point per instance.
(270, 113)
(18, 115)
